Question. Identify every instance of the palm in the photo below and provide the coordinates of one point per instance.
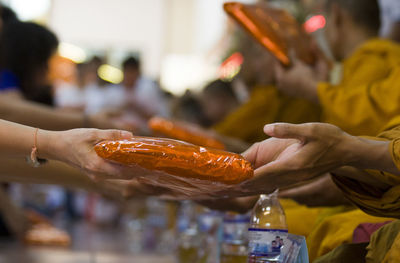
(272, 150)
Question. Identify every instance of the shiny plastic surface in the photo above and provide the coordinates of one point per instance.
(178, 159)
(185, 132)
(273, 28)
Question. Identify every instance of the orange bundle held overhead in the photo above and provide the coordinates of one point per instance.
(275, 29)
(178, 159)
(185, 132)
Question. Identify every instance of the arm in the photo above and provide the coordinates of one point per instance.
(239, 205)
(303, 152)
(17, 170)
(15, 109)
(14, 170)
(73, 147)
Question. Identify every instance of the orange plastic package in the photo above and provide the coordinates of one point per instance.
(189, 171)
(184, 131)
(275, 29)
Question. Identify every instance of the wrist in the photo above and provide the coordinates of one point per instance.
(368, 154)
(48, 144)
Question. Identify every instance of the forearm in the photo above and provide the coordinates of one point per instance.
(36, 115)
(18, 140)
(372, 154)
(239, 205)
(17, 170)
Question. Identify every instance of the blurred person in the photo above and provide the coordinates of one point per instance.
(362, 103)
(299, 152)
(188, 108)
(66, 78)
(25, 49)
(390, 14)
(24, 53)
(95, 94)
(266, 104)
(7, 15)
(138, 93)
(366, 98)
(218, 100)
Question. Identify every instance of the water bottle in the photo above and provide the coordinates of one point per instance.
(235, 238)
(268, 231)
(210, 223)
(155, 226)
(189, 241)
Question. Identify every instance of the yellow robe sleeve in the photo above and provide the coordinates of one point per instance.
(383, 200)
(266, 105)
(364, 109)
(247, 122)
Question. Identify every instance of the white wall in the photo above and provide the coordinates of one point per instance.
(174, 37)
(113, 24)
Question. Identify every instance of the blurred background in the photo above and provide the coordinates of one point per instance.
(176, 48)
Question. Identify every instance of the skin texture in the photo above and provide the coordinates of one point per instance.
(58, 173)
(297, 160)
(14, 108)
(73, 147)
(297, 153)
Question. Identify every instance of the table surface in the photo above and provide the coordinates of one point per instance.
(90, 244)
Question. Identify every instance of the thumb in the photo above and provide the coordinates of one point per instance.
(115, 135)
(286, 131)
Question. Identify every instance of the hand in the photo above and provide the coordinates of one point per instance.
(296, 154)
(75, 147)
(127, 189)
(301, 79)
(320, 192)
(109, 119)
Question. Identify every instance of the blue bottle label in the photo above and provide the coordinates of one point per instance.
(235, 230)
(268, 243)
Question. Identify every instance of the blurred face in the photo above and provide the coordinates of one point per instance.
(217, 108)
(131, 74)
(258, 64)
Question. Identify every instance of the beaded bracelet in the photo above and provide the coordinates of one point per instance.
(32, 159)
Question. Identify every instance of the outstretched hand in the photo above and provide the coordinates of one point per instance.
(76, 148)
(296, 153)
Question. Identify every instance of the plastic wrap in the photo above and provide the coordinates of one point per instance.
(185, 169)
(273, 28)
(185, 132)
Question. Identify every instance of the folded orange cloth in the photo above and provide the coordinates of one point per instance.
(275, 29)
(178, 158)
(184, 131)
